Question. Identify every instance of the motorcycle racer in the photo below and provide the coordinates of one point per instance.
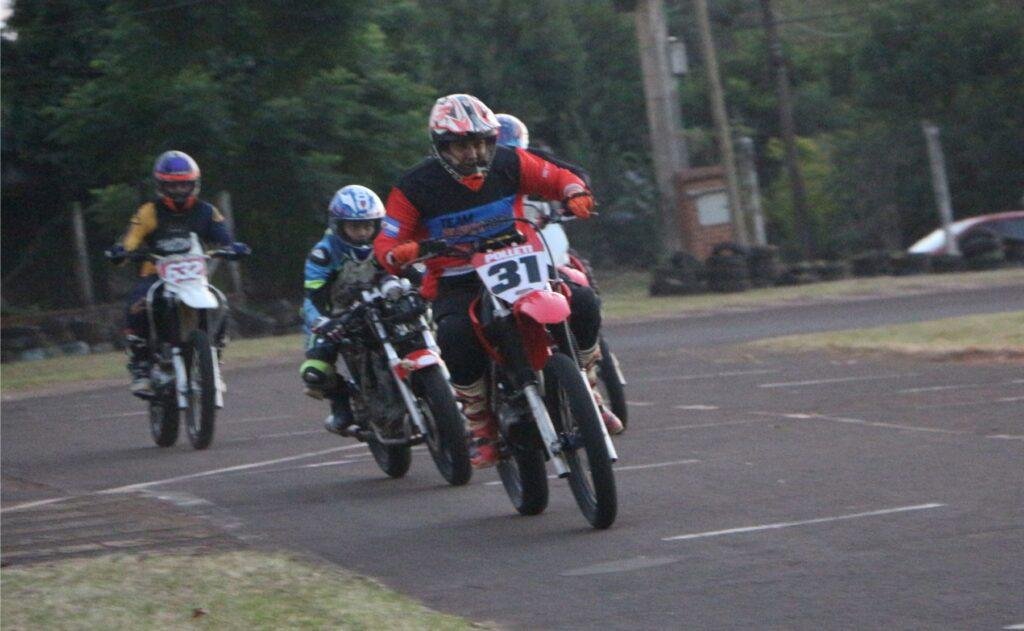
(337, 264)
(163, 225)
(468, 182)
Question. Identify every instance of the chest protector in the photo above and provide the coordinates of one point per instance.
(352, 273)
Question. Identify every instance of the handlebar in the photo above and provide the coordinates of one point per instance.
(138, 256)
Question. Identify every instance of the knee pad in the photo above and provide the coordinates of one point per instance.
(318, 376)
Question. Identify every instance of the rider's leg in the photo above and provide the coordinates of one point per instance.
(585, 322)
(322, 382)
(467, 362)
(137, 337)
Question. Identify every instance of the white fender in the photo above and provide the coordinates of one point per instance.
(196, 295)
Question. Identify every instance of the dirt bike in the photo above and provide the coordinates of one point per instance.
(542, 400)
(578, 270)
(398, 383)
(187, 316)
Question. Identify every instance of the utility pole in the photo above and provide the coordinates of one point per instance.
(939, 184)
(664, 116)
(722, 129)
(804, 225)
(82, 268)
(748, 168)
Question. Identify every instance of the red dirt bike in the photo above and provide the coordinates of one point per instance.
(543, 403)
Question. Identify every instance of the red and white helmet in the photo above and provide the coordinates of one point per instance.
(461, 117)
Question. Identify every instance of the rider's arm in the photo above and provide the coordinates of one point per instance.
(217, 229)
(317, 282)
(544, 179)
(142, 223)
(400, 225)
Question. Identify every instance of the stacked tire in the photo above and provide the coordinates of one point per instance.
(726, 269)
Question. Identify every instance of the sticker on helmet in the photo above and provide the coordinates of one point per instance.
(390, 227)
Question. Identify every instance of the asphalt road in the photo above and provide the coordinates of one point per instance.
(756, 490)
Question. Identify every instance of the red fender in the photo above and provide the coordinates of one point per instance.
(414, 361)
(545, 307)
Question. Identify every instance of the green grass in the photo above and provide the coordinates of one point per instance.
(992, 334)
(234, 590)
(99, 367)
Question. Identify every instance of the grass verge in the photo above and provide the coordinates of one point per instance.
(993, 335)
(235, 590)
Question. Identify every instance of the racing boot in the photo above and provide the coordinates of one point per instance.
(483, 427)
(139, 367)
(589, 359)
(341, 421)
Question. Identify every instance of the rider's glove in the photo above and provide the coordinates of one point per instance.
(402, 255)
(239, 250)
(116, 254)
(332, 329)
(579, 203)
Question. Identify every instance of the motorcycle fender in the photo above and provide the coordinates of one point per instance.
(416, 360)
(573, 275)
(544, 307)
(197, 297)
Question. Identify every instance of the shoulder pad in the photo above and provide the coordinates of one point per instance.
(320, 256)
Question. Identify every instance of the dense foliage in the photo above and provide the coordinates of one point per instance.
(284, 101)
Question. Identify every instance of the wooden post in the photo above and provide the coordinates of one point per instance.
(722, 129)
(83, 270)
(224, 204)
(748, 169)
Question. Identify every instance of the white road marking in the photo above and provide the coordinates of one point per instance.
(304, 432)
(103, 417)
(623, 565)
(634, 467)
(816, 382)
(1005, 436)
(180, 478)
(712, 375)
(1015, 626)
(696, 426)
(639, 404)
(787, 524)
(258, 419)
(695, 407)
(909, 428)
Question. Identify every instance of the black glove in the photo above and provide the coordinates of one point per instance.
(332, 329)
(116, 254)
(237, 250)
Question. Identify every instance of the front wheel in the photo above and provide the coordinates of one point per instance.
(525, 479)
(612, 383)
(575, 418)
(163, 420)
(202, 402)
(447, 431)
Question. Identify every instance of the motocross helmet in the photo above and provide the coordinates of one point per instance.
(458, 117)
(513, 132)
(355, 205)
(171, 170)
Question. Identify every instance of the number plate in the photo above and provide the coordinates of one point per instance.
(515, 271)
(182, 269)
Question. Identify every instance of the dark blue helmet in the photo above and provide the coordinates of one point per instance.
(513, 132)
(177, 179)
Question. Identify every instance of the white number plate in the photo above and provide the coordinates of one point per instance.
(512, 272)
(183, 269)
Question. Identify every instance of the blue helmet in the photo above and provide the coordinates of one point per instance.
(513, 132)
(354, 203)
(177, 179)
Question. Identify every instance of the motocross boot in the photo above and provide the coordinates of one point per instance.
(341, 421)
(589, 359)
(139, 367)
(483, 427)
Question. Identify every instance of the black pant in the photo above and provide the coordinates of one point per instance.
(461, 349)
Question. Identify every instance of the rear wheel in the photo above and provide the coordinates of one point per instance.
(574, 416)
(447, 438)
(612, 383)
(202, 407)
(393, 460)
(163, 420)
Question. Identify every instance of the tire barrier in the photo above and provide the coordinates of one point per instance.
(910, 264)
(684, 275)
(872, 263)
(763, 265)
(726, 269)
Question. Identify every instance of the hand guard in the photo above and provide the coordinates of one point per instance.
(237, 250)
(402, 255)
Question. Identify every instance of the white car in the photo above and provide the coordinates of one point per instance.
(1008, 226)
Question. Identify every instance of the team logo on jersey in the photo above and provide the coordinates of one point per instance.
(390, 227)
(320, 256)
